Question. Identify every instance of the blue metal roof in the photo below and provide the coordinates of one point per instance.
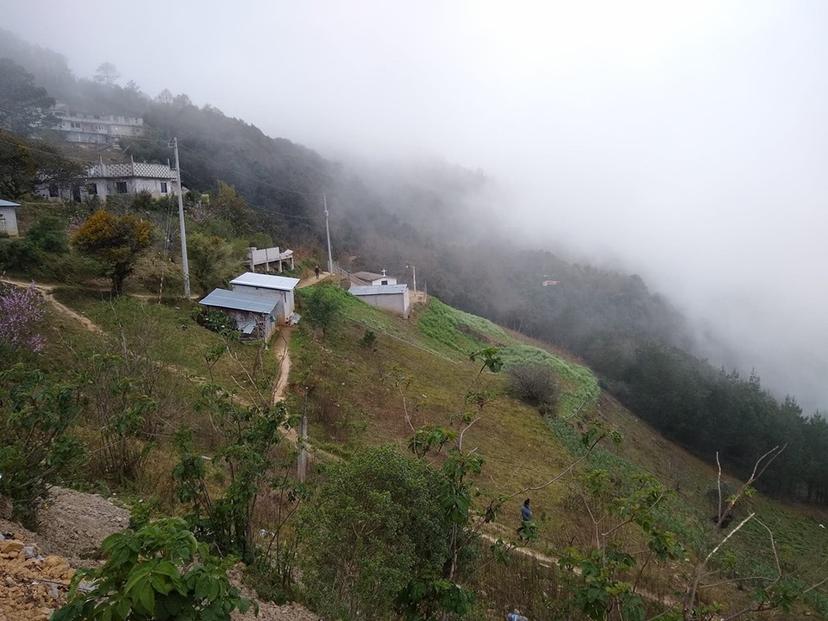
(222, 298)
(378, 290)
(4, 203)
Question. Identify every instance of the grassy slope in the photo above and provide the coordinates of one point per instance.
(358, 402)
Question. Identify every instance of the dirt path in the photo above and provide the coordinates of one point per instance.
(46, 291)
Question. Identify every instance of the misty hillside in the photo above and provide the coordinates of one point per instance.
(444, 220)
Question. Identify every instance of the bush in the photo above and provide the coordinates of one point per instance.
(376, 535)
(320, 306)
(159, 571)
(534, 384)
(35, 415)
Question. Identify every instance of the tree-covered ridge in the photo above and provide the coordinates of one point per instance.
(632, 338)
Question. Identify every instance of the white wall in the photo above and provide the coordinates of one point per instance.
(398, 303)
(285, 311)
(8, 221)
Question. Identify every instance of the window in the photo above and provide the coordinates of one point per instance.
(92, 189)
(53, 190)
(163, 187)
(121, 187)
(383, 282)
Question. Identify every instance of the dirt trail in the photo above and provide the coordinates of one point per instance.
(46, 291)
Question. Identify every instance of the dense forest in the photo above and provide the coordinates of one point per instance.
(438, 218)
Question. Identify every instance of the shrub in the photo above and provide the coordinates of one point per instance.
(369, 339)
(377, 535)
(159, 571)
(48, 233)
(535, 384)
(35, 415)
(21, 313)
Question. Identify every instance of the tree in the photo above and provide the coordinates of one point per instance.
(23, 105)
(231, 207)
(24, 165)
(159, 572)
(376, 531)
(321, 304)
(211, 261)
(117, 241)
(48, 233)
(107, 73)
(21, 313)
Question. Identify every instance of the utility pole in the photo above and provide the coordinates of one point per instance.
(328, 233)
(185, 264)
(414, 275)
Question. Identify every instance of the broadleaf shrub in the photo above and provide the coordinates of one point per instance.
(159, 572)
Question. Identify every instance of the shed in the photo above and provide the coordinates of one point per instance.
(8, 218)
(255, 316)
(372, 278)
(269, 287)
(392, 298)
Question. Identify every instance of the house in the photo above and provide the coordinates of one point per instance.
(391, 298)
(266, 256)
(269, 287)
(94, 128)
(255, 316)
(128, 178)
(371, 278)
(8, 218)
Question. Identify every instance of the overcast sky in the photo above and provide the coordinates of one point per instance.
(685, 141)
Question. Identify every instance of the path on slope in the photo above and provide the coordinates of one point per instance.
(47, 292)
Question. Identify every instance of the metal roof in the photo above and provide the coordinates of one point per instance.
(222, 298)
(378, 290)
(368, 276)
(266, 281)
(8, 203)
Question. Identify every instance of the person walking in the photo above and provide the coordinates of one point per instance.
(316, 270)
(525, 519)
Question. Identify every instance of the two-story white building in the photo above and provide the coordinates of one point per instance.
(95, 128)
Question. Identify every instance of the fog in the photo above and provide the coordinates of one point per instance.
(686, 142)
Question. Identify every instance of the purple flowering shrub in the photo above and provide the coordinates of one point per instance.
(21, 314)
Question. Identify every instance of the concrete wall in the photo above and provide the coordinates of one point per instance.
(287, 298)
(8, 221)
(397, 303)
(109, 187)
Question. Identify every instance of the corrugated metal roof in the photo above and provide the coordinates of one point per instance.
(378, 290)
(222, 298)
(8, 203)
(266, 281)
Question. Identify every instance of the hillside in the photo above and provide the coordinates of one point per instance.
(357, 395)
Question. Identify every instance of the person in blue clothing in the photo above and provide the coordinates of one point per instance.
(525, 518)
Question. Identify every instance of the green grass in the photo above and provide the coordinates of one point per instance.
(357, 403)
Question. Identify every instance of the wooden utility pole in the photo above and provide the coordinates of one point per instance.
(185, 264)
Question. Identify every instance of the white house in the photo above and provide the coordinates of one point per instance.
(270, 287)
(8, 218)
(391, 298)
(371, 278)
(128, 178)
(266, 256)
(95, 128)
(255, 316)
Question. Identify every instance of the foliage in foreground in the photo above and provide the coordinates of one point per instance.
(376, 536)
(35, 416)
(159, 572)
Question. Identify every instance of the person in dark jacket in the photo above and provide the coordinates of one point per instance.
(316, 269)
(525, 519)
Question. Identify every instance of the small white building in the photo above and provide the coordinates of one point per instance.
(270, 287)
(255, 316)
(373, 279)
(266, 256)
(104, 180)
(8, 218)
(391, 298)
